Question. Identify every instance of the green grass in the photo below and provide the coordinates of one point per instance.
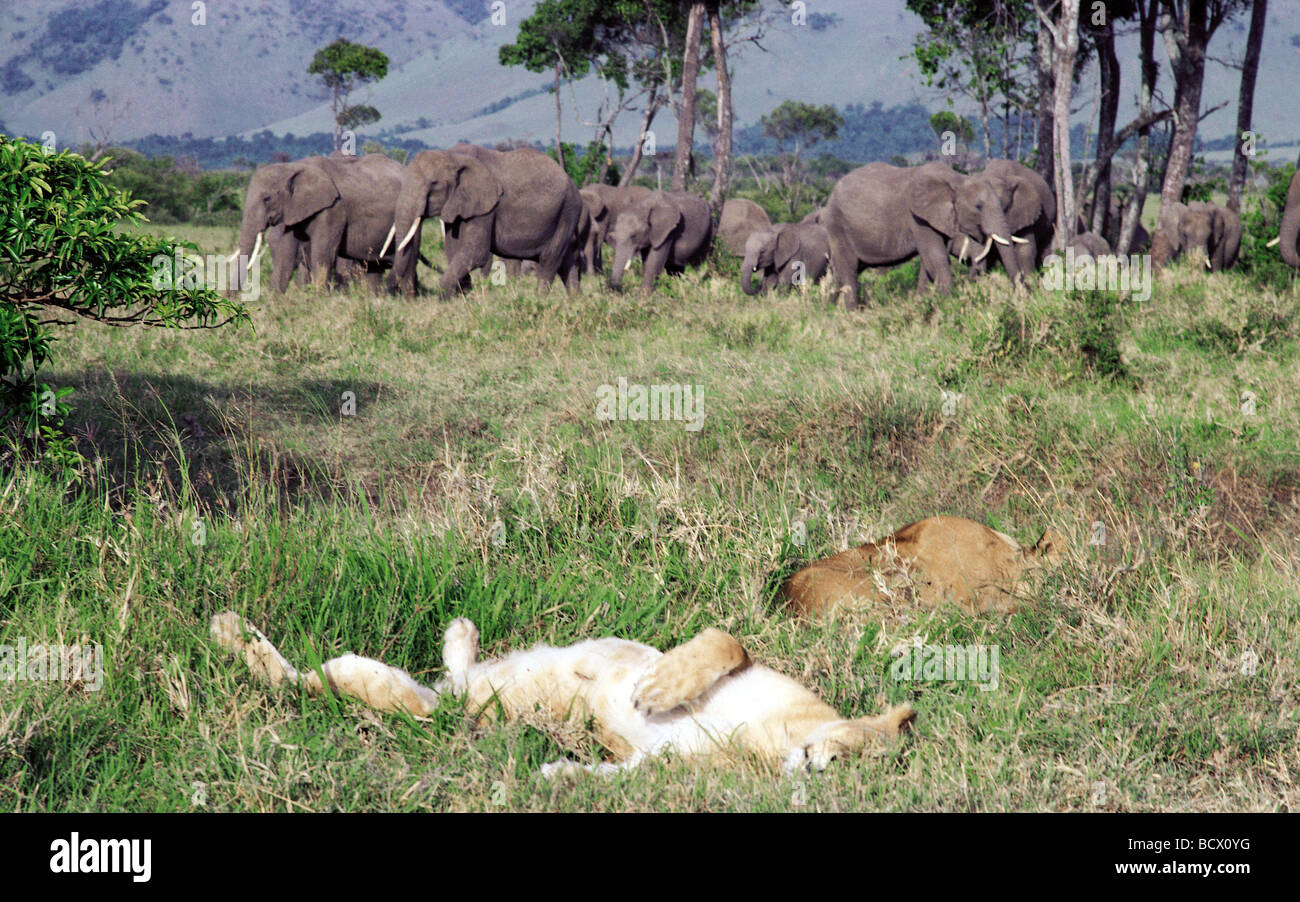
(370, 532)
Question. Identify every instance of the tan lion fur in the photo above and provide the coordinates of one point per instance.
(937, 559)
(704, 697)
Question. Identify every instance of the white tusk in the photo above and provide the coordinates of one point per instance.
(252, 258)
(984, 253)
(999, 239)
(233, 257)
(392, 231)
(965, 243)
(1277, 240)
(415, 224)
(442, 225)
(1018, 240)
(627, 265)
(1207, 264)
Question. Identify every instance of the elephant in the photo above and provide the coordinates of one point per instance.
(815, 216)
(604, 203)
(328, 209)
(882, 215)
(792, 253)
(669, 229)
(1290, 230)
(1030, 207)
(1090, 243)
(1208, 231)
(740, 219)
(517, 204)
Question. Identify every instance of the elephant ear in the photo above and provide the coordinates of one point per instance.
(310, 191)
(1021, 204)
(477, 193)
(788, 246)
(664, 217)
(595, 204)
(932, 200)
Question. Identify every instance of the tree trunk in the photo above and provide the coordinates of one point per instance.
(1065, 46)
(1185, 39)
(1043, 142)
(1108, 66)
(1141, 170)
(722, 149)
(559, 145)
(1246, 102)
(652, 107)
(684, 163)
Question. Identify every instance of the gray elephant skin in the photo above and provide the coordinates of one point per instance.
(740, 218)
(1290, 230)
(882, 215)
(330, 209)
(1209, 232)
(789, 254)
(1090, 243)
(604, 203)
(669, 229)
(517, 204)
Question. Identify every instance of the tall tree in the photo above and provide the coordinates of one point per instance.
(1146, 12)
(1065, 46)
(1246, 102)
(344, 67)
(798, 126)
(722, 143)
(684, 159)
(1187, 27)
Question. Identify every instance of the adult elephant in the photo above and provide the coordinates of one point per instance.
(517, 204)
(1030, 208)
(790, 254)
(882, 215)
(669, 229)
(1208, 232)
(1289, 233)
(741, 218)
(604, 204)
(328, 209)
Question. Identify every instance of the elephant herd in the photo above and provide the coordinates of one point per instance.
(364, 215)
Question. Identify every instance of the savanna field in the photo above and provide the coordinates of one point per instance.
(1157, 669)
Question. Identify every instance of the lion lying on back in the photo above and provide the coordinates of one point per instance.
(700, 698)
(939, 558)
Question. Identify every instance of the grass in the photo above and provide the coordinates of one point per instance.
(1157, 670)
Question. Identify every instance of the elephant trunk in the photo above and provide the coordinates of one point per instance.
(622, 260)
(1290, 230)
(997, 229)
(251, 226)
(750, 269)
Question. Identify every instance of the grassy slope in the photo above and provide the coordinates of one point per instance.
(369, 533)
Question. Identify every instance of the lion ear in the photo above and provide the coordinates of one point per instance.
(1052, 545)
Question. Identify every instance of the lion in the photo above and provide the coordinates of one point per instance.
(938, 559)
(704, 697)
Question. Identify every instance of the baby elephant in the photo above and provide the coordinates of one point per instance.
(1090, 243)
(669, 229)
(788, 255)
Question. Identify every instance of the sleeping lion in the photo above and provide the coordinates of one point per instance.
(702, 698)
(936, 560)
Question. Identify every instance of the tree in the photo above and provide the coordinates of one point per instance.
(344, 67)
(64, 252)
(1065, 46)
(684, 159)
(802, 125)
(1246, 102)
(1187, 27)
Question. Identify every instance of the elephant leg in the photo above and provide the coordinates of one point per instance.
(933, 249)
(845, 266)
(471, 249)
(922, 277)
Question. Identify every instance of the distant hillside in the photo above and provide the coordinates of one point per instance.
(135, 68)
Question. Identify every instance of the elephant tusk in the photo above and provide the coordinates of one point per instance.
(252, 258)
(1275, 241)
(1207, 264)
(415, 224)
(627, 265)
(965, 243)
(233, 257)
(443, 226)
(999, 239)
(392, 231)
(984, 253)
(1018, 240)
